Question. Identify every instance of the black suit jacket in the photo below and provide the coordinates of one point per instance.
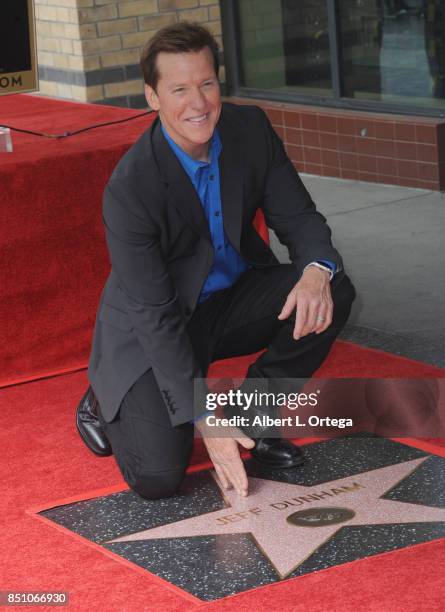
(161, 251)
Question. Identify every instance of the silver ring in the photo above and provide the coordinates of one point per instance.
(321, 318)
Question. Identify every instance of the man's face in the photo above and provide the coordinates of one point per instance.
(188, 99)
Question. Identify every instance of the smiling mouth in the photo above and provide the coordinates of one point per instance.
(198, 120)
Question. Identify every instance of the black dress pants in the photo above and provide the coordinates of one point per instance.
(242, 319)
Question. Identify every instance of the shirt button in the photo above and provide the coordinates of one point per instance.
(217, 213)
(211, 177)
(219, 247)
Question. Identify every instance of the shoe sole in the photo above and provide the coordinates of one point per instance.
(87, 444)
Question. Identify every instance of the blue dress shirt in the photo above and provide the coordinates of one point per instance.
(228, 264)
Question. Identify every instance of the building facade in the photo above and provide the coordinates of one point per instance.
(355, 88)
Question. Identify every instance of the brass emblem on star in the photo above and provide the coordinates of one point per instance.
(320, 517)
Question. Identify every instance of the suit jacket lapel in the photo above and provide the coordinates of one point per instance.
(231, 178)
(181, 193)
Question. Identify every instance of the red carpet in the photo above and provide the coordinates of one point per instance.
(54, 258)
(45, 460)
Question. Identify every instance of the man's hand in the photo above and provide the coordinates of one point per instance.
(311, 298)
(225, 456)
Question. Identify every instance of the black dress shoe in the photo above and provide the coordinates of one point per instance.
(277, 453)
(270, 448)
(89, 427)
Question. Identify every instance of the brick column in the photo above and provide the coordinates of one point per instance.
(88, 50)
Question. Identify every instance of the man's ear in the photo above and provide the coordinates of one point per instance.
(151, 97)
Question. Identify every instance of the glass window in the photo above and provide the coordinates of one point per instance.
(393, 50)
(284, 45)
(390, 51)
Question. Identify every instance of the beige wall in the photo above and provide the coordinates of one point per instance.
(88, 50)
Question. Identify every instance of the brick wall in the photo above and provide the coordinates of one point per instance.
(89, 50)
(374, 147)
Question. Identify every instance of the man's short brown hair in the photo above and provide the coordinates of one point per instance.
(182, 37)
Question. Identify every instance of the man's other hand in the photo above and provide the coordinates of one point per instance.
(225, 456)
(311, 298)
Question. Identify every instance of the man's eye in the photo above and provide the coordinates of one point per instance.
(178, 90)
(208, 84)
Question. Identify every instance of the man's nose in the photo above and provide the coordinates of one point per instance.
(198, 99)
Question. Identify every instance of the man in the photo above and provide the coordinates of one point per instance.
(191, 279)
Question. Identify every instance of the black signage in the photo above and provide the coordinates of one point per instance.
(18, 66)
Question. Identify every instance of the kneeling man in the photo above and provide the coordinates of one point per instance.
(192, 281)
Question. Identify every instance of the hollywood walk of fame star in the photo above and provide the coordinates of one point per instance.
(269, 512)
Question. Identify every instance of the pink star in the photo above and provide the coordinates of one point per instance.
(264, 513)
